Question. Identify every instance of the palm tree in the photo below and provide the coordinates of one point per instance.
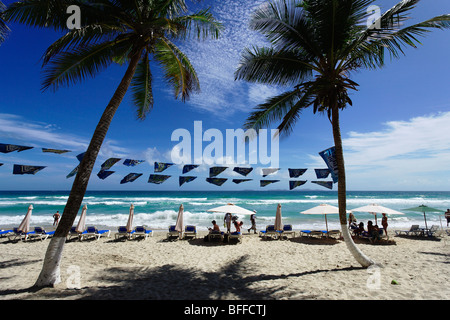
(113, 31)
(316, 45)
(3, 27)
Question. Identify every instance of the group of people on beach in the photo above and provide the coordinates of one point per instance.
(229, 219)
(373, 231)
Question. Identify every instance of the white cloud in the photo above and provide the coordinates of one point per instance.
(413, 154)
(216, 61)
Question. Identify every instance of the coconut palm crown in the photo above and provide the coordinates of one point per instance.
(315, 46)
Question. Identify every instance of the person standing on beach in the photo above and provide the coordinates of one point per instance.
(384, 223)
(227, 221)
(447, 216)
(56, 218)
(253, 221)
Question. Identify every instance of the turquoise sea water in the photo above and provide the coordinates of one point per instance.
(158, 209)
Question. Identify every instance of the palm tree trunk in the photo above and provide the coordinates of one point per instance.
(50, 273)
(342, 196)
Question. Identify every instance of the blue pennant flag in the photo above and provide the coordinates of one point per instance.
(24, 169)
(295, 173)
(243, 170)
(237, 181)
(189, 167)
(294, 184)
(263, 183)
(214, 171)
(329, 156)
(132, 163)
(322, 173)
(216, 181)
(157, 178)
(109, 163)
(130, 177)
(161, 166)
(7, 148)
(104, 174)
(326, 184)
(185, 179)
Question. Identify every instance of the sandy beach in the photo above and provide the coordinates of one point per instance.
(256, 269)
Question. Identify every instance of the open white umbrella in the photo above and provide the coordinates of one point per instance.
(231, 208)
(179, 224)
(375, 208)
(25, 224)
(82, 222)
(130, 219)
(322, 209)
(278, 224)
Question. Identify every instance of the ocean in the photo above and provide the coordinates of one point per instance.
(159, 209)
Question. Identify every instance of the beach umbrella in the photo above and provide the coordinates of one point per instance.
(375, 208)
(130, 219)
(82, 222)
(323, 209)
(278, 225)
(25, 224)
(424, 209)
(179, 224)
(231, 208)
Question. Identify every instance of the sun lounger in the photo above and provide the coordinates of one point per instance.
(73, 234)
(287, 229)
(414, 230)
(311, 233)
(190, 231)
(215, 234)
(141, 231)
(4, 233)
(173, 233)
(93, 232)
(432, 231)
(269, 232)
(19, 234)
(41, 233)
(235, 235)
(331, 233)
(123, 232)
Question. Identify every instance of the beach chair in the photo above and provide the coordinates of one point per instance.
(432, 231)
(414, 230)
(122, 232)
(19, 234)
(141, 231)
(73, 234)
(93, 232)
(190, 231)
(331, 233)
(215, 235)
(235, 235)
(269, 232)
(287, 229)
(173, 233)
(311, 233)
(5, 233)
(40, 233)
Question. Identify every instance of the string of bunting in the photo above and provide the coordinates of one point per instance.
(156, 178)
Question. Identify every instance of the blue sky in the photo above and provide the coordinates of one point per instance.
(395, 136)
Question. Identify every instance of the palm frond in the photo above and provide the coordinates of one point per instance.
(271, 66)
(202, 24)
(178, 70)
(141, 87)
(4, 30)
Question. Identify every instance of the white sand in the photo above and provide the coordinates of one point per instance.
(257, 269)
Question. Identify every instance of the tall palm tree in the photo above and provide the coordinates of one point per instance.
(3, 27)
(131, 32)
(316, 45)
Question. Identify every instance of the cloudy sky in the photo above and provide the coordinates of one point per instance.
(395, 135)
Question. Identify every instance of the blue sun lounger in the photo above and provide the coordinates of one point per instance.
(287, 229)
(93, 232)
(19, 234)
(235, 235)
(190, 231)
(4, 233)
(40, 232)
(310, 233)
(141, 231)
(123, 232)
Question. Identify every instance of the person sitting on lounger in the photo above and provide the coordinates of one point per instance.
(359, 231)
(215, 227)
(373, 231)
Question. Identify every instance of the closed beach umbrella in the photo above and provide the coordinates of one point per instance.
(323, 209)
(278, 224)
(232, 208)
(179, 224)
(375, 208)
(130, 219)
(25, 224)
(82, 222)
(424, 209)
